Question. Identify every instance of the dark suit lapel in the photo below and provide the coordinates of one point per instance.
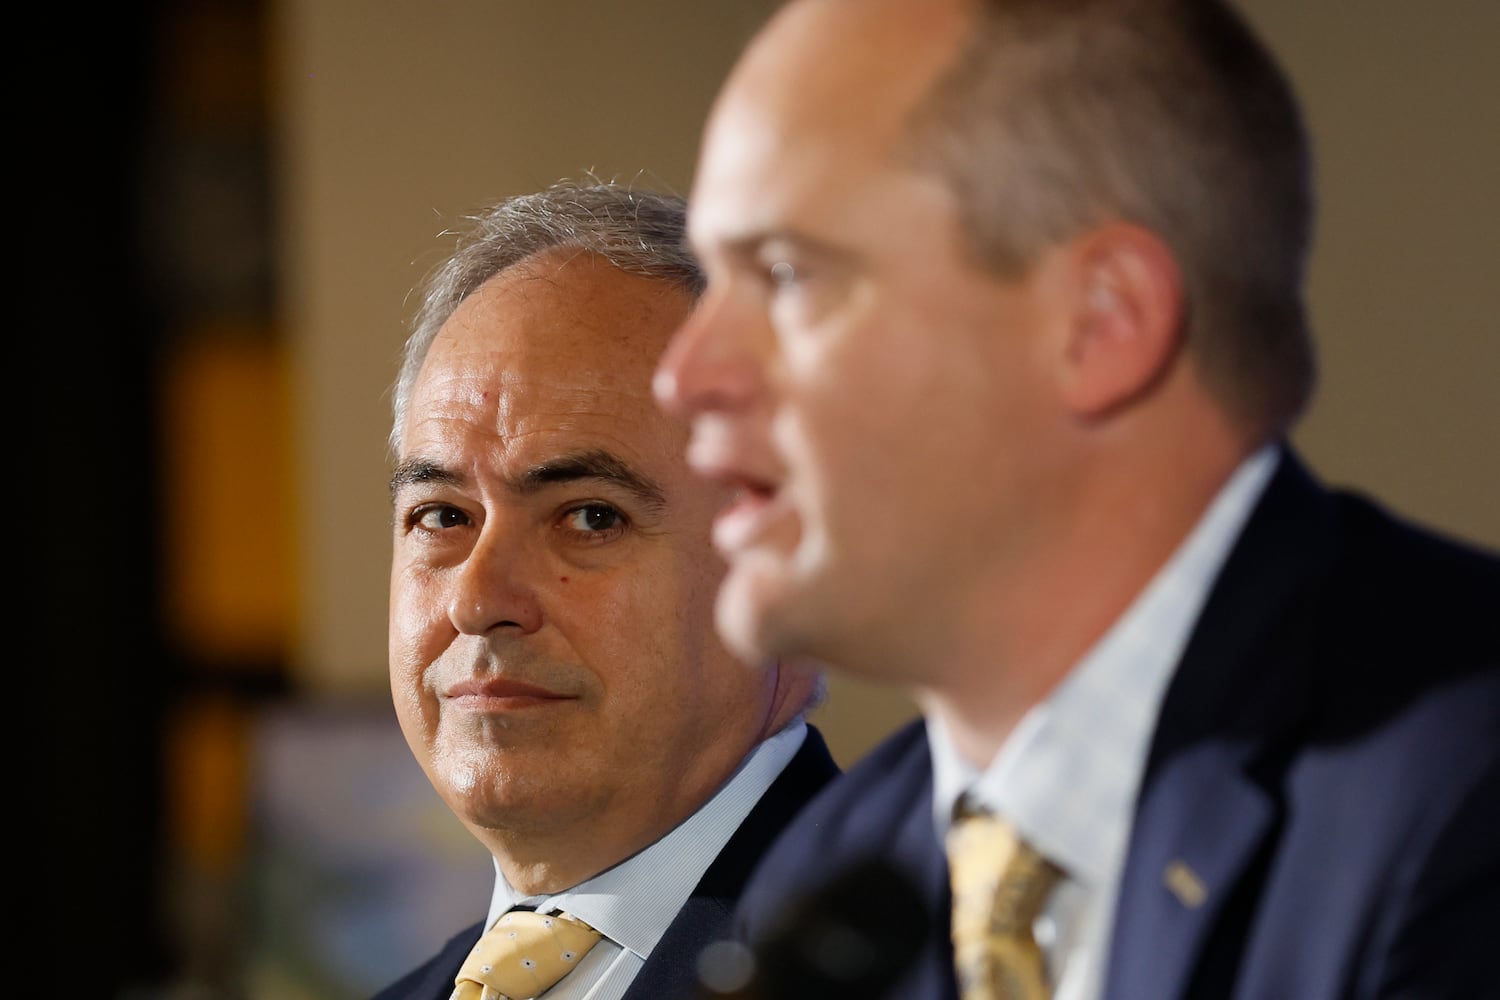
(1204, 817)
(925, 860)
(670, 971)
(1198, 828)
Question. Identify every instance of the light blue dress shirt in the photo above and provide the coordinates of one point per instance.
(1067, 775)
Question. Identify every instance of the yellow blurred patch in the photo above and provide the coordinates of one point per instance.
(230, 584)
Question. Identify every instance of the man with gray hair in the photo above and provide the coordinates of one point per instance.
(553, 661)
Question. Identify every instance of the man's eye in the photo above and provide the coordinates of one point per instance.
(439, 517)
(594, 517)
(783, 274)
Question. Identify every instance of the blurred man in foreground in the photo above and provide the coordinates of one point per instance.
(1002, 343)
(552, 653)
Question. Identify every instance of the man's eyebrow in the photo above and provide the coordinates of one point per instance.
(594, 464)
(751, 243)
(419, 470)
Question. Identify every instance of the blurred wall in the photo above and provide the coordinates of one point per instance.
(394, 119)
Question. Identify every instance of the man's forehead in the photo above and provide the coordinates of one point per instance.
(543, 411)
(538, 346)
(567, 299)
(816, 54)
(825, 90)
(492, 410)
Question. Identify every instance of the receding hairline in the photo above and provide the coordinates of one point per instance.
(639, 231)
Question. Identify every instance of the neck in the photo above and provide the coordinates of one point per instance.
(1120, 516)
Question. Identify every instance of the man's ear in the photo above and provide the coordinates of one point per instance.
(1127, 312)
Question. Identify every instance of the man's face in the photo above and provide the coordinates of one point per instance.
(552, 654)
(850, 371)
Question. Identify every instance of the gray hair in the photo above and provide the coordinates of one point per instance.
(1059, 115)
(637, 230)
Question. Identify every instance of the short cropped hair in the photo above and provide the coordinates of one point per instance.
(637, 230)
(1060, 115)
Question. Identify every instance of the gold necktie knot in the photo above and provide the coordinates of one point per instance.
(1000, 884)
(523, 956)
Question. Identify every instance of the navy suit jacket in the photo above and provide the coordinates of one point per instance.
(669, 973)
(1326, 765)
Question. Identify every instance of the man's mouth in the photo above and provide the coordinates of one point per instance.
(501, 694)
(756, 497)
(755, 503)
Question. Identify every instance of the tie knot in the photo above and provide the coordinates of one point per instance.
(523, 955)
(1000, 883)
(989, 861)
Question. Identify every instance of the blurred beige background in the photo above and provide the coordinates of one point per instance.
(397, 118)
(226, 204)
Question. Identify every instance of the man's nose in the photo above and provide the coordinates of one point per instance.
(495, 588)
(715, 360)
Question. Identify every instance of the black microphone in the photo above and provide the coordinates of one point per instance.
(848, 940)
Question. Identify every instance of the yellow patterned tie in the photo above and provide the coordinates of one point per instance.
(999, 885)
(522, 956)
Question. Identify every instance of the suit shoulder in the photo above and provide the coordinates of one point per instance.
(1388, 558)
(1371, 518)
(433, 979)
(890, 776)
(864, 811)
(878, 809)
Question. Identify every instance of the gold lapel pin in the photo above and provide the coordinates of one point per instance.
(1185, 884)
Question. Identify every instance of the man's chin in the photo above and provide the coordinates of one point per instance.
(491, 787)
(512, 809)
